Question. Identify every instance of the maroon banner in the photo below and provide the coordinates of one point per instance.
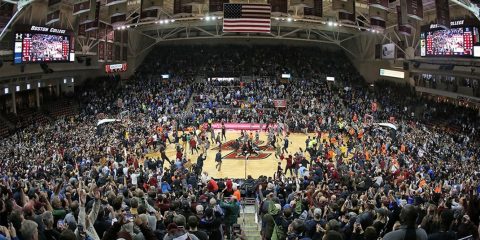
(81, 31)
(117, 53)
(53, 17)
(443, 13)
(124, 54)
(180, 7)
(101, 51)
(118, 19)
(81, 7)
(112, 68)
(6, 12)
(110, 34)
(216, 5)
(52, 2)
(415, 9)
(382, 4)
(149, 14)
(278, 6)
(109, 52)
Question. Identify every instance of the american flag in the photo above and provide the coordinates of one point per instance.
(246, 17)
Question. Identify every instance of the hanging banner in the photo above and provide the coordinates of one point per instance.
(415, 9)
(101, 51)
(110, 34)
(443, 13)
(318, 8)
(109, 51)
(81, 6)
(102, 30)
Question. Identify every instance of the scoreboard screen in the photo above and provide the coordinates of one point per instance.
(457, 41)
(49, 45)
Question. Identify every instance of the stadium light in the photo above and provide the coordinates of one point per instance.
(173, 20)
(207, 18)
(277, 18)
(289, 19)
(330, 23)
(162, 22)
(335, 24)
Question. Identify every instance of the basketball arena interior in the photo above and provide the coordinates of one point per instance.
(239, 119)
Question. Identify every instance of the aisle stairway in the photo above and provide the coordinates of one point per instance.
(249, 224)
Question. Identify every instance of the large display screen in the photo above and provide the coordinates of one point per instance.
(459, 41)
(43, 44)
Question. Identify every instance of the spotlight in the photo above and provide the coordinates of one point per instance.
(207, 18)
(335, 24)
(173, 20)
(277, 18)
(161, 21)
(289, 19)
(330, 23)
(213, 18)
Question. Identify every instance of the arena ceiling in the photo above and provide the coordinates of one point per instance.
(200, 24)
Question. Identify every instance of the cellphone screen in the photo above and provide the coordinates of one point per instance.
(60, 224)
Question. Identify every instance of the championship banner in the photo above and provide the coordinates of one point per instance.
(80, 7)
(81, 31)
(377, 24)
(278, 6)
(443, 13)
(280, 103)
(180, 7)
(6, 12)
(216, 5)
(116, 54)
(402, 29)
(113, 2)
(101, 51)
(118, 13)
(53, 17)
(381, 4)
(343, 6)
(93, 16)
(110, 34)
(377, 13)
(415, 9)
(109, 52)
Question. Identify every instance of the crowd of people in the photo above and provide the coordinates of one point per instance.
(77, 178)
